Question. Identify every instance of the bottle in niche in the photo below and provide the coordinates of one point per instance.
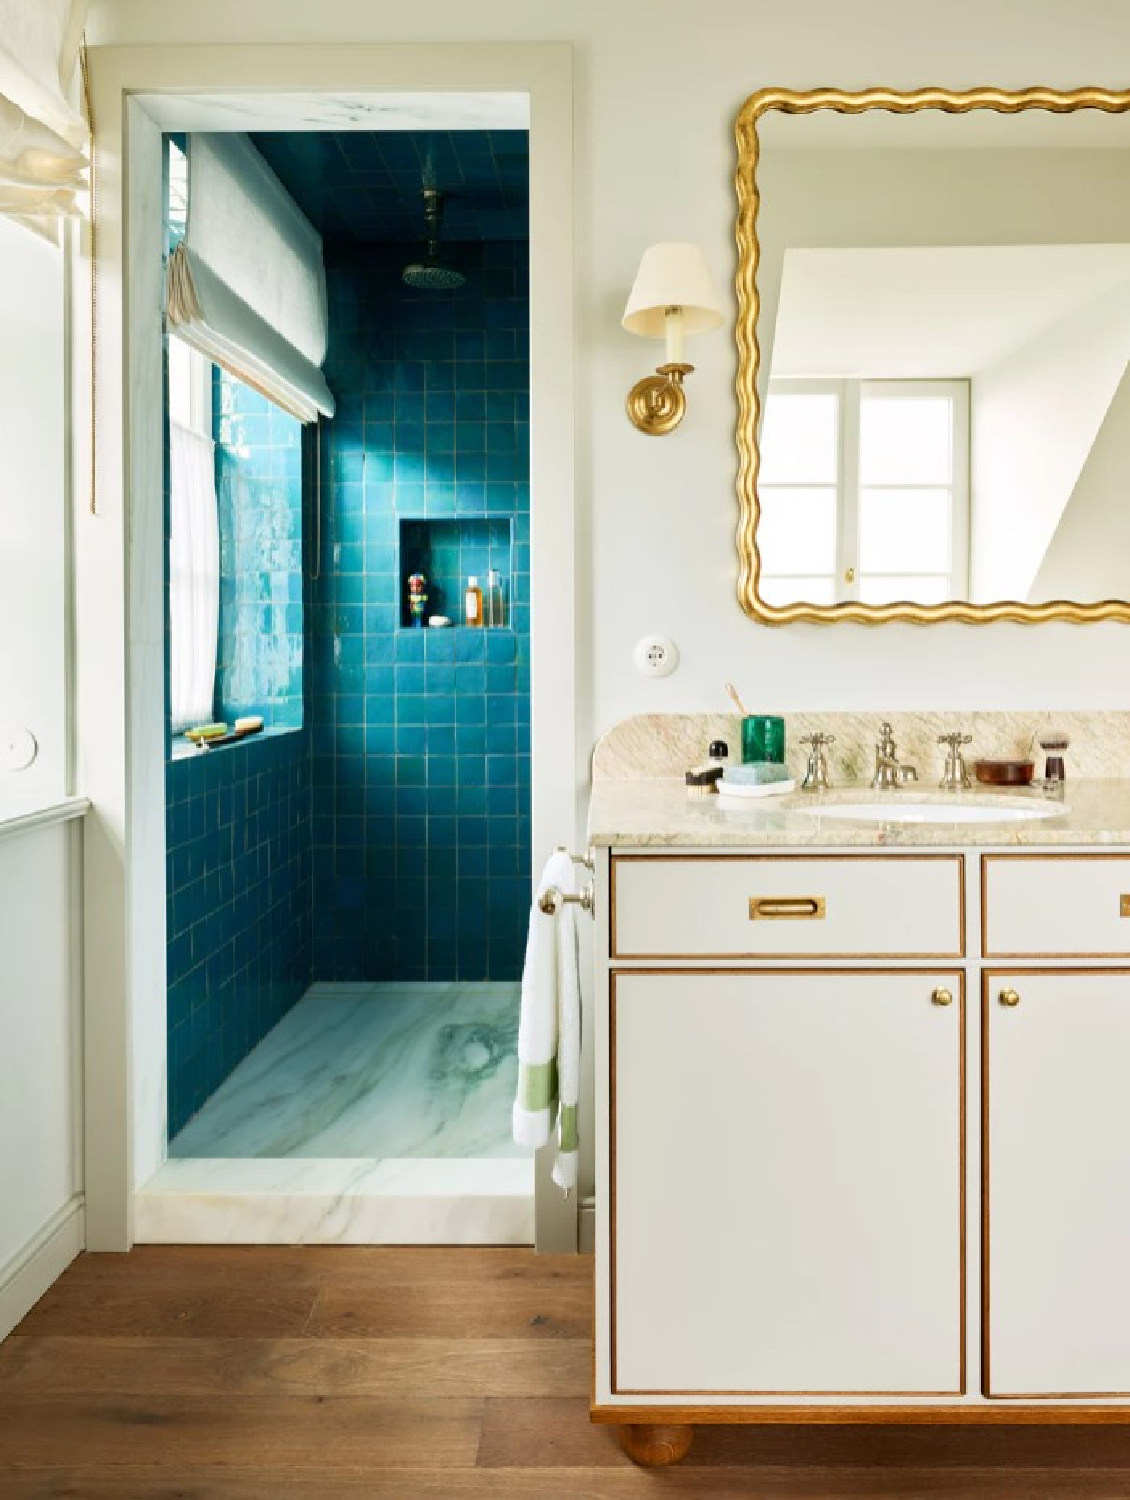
(494, 598)
(473, 603)
(417, 598)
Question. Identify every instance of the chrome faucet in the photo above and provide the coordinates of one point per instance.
(816, 777)
(889, 771)
(955, 778)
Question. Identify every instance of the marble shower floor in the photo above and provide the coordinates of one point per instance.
(372, 1071)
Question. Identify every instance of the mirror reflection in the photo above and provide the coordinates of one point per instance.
(945, 332)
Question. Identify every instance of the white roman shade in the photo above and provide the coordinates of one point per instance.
(247, 285)
(43, 139)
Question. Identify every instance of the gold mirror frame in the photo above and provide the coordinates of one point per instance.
(788, 101)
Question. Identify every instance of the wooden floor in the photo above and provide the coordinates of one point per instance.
(265, 1373)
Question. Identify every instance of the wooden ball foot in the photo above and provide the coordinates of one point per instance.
(654, 1445)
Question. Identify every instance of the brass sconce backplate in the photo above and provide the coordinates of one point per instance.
(657, 402)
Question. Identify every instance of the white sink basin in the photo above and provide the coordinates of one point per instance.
(898, 811)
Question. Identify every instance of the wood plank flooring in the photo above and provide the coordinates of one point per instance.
(259, 1373)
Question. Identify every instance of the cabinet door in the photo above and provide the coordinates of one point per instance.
(787, 1176)
(1057, 1151)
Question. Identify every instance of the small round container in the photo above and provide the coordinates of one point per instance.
(1004, 772)
(763, 739)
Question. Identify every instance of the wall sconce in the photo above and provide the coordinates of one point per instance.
(672, 297)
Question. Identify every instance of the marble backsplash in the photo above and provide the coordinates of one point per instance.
(658, 745)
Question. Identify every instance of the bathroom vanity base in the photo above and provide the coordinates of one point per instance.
(762, 1018)
(969, 1413)
(655, 1444)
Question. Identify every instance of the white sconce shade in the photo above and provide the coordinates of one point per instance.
(672, 275)
(672, 296)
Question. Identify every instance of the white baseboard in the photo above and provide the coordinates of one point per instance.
(40, 1263)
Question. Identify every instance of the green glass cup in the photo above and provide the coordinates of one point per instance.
(763, 738)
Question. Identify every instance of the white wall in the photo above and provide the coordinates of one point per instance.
(40, 1058)
(32, 499)
(1097, 508)
(658, 85)
(1032, 430)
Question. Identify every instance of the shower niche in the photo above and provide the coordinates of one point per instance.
(450, 550)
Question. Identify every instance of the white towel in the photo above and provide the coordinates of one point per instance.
(549, 1028)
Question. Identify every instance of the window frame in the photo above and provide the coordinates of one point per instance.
(850, 393)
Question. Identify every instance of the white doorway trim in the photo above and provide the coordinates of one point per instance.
(137, 93)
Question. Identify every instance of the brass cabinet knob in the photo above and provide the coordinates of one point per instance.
(1009, 997)
(942, 997)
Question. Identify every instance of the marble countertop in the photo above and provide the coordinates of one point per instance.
(660, 813)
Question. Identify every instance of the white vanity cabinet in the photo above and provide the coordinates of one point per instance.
(786, 1173)
(1057, 1175)
(839, 1178)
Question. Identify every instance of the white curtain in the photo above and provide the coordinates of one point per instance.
(194, 577)
(247, 285)
(43, 138)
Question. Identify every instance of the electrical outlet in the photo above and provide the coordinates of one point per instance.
(656, 656)
(18, 748)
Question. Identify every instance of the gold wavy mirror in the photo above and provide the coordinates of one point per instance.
(933, 347)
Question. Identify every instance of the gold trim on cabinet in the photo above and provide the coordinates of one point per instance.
(664, 1413)
(988, 977)
(861, 1416)
(1044, 854)
(693, 958)
(794, 102)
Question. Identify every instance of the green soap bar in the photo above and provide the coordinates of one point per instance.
(756, 773)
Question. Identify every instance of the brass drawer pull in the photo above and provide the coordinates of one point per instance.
(1124, 905)
(942, 996)
(1009, 998)
(786, 908)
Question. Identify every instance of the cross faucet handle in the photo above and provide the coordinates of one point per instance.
(816, 739)
(954, 740)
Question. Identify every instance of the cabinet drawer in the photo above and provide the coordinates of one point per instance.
(1058, 906)
(837, 906)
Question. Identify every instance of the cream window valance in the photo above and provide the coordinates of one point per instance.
(43, 138)
(247, 285)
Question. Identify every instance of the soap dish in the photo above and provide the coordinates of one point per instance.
(1004, 772)
(743, 790)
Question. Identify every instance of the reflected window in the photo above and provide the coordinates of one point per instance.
(864, 491)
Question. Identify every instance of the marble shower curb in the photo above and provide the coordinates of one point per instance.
(275, 1201)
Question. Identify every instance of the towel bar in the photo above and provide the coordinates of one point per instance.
(552, 900)
(578, 859)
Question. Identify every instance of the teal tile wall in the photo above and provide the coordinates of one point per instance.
(238, 906)
(421, 770)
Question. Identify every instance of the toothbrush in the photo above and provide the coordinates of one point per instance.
(736, 701)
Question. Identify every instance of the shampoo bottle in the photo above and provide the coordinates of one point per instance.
(473, 603)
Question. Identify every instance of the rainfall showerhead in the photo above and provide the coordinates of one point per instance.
(430, 274)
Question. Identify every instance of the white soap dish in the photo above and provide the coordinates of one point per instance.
(740, 791)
